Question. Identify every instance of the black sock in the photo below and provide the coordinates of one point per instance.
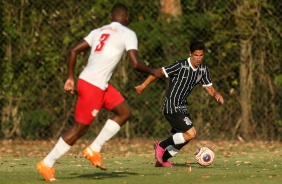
(167, 142)
(166, 156)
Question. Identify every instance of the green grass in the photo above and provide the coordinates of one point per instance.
(130, 162)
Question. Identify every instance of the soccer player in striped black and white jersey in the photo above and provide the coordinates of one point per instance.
(184, 76)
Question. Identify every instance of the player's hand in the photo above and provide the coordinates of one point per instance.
(219, 98)
(69, 86)
(139, 89)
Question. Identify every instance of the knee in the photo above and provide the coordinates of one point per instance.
(84, 130)
(125, 114)
(122, 112)
(190, 134)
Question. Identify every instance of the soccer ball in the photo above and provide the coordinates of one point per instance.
(204, 156)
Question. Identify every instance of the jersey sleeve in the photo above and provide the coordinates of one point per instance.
(172, 69)
(89, 38)
(206, 80)
(130, 40)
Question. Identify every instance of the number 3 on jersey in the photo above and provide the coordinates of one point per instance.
(100, 46)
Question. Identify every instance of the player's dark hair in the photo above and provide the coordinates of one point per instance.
(197, 46)
(119, 8)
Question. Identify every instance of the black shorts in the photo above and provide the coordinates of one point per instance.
(179, 122)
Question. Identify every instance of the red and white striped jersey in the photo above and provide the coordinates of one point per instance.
(108, 44)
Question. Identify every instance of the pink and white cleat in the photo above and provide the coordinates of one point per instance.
(164, 164)
(159, 152)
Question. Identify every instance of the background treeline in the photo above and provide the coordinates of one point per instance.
(243, 40)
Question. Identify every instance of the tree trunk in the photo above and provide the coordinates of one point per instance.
(244, 17)
(245, 88)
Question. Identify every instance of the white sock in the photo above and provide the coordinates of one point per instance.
(59, 150)
(110, 129)
(178, 138)
(172, 150)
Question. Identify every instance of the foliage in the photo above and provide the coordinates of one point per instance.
(37, 34)
(278, 80)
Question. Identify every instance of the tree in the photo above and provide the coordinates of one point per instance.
(256, 35)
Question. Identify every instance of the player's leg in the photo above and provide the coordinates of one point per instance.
(45, 167)
(90, 102)
(173, 150)
(112, 126)
(74, 133)
(180, 123)
(114, 102)
(83, 114)
(121, 113)
(65, 142)
(174, 147)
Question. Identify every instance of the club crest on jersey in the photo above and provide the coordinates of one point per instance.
(198, 78)
(95, 112)
(187, 121)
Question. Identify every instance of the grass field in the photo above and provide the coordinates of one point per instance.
(132, 161)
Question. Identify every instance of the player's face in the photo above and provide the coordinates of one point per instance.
(196, 58)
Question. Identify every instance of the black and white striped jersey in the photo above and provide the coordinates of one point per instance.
(183, 78)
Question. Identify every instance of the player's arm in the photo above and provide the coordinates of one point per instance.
(139, 89)
(140, 66)
(74, 51)
(212, 92)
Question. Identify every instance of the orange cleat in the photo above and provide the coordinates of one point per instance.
(94, 157)
(47, 172)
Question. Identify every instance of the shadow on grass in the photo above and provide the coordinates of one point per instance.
(191, 165)
(104, 175)
(96, 175)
